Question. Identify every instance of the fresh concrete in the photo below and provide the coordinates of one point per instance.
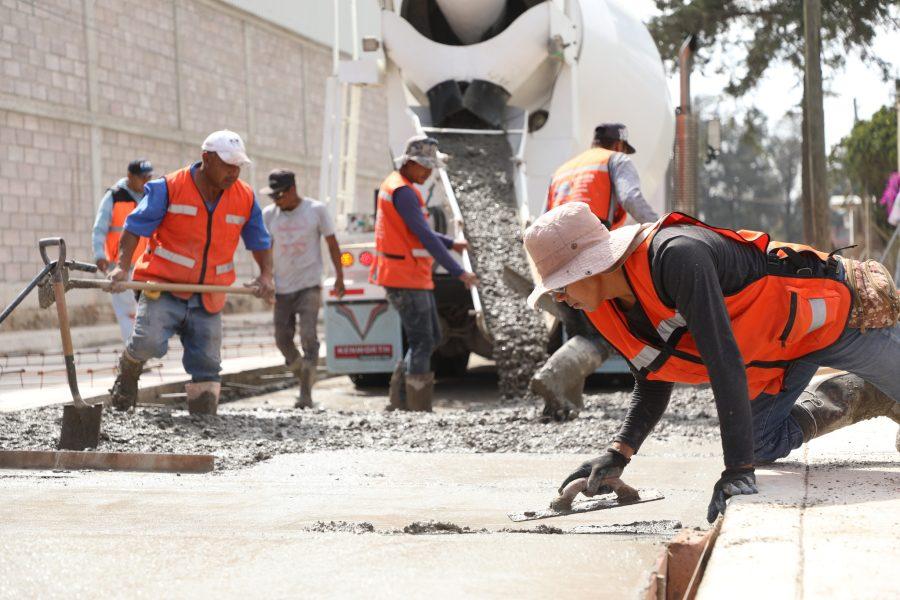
(825, 524)
(246, 532)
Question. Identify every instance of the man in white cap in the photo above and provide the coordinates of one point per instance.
(685, 302)
(194, 218)
(405, 250)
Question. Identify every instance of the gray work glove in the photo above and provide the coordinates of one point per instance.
(609, 464)
(733, 482)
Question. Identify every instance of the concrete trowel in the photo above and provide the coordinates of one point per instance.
(81, 421)
(564, 504)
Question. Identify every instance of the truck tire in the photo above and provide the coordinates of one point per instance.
(450, 366)
(370, 380)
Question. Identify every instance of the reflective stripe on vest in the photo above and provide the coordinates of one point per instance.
(194, 244)
(235, 219)
(183, 209)
(178, 259)
(400, 259)
(777, 318)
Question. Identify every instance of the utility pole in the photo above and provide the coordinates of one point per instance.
(815, 209)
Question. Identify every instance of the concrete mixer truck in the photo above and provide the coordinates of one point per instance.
(511, 86)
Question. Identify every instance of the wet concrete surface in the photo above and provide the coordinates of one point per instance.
(347, 500)
(469, 417)
(265, 529)
(480, 171)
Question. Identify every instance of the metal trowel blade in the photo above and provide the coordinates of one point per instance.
(583, 506)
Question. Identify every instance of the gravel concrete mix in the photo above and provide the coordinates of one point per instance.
(240, 437)
(480, 171)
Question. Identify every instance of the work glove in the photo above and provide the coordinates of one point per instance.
(608, 465)
(733, 482)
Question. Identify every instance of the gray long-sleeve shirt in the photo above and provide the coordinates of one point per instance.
(693, 268)
(626, 188)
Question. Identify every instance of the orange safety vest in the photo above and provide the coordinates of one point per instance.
(585, 178)
(400, 259)
(122, 206)
(192, 244)
(780, 317)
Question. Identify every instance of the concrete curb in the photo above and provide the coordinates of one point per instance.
(107, 461)
(823, 526)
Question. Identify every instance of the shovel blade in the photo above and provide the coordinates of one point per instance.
(80, 427)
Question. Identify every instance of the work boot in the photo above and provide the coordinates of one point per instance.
(124, 392)
(307, 376)
(560, 382)
(203, 397)
(397, 391)
(419, 390)
(840, 401)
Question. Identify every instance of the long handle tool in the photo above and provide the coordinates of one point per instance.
(81, 421)
(160, 286)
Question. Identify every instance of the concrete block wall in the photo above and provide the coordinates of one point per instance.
(87, 85)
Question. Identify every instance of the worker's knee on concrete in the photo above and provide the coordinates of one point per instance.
(777, 443)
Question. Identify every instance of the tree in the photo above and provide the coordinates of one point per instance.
(761, 33)
(869, 153)
(862, 161)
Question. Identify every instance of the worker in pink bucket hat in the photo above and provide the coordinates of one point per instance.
(686, 302)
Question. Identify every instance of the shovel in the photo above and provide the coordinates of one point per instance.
(81, 421)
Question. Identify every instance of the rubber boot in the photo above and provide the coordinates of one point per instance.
(560, 382)
(419, 391)
(307, 377)
(124, 392)
(203, 397)
(397, 391)
(840, 401)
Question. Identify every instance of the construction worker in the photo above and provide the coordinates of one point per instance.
(406, 248)
(297, 225)
(685, 302)
(194, 218)
(117, 203)
(606, 179)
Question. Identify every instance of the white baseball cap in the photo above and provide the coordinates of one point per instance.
(228, 145)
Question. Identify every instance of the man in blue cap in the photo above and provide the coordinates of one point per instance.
(116, 205)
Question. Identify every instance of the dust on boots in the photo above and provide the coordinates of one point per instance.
(560, 382)
(841, 401)
(124, 392)
(397, 390)
(305, 372)
(203, 397)
(419, 391)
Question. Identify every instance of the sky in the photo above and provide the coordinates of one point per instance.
(782, 87)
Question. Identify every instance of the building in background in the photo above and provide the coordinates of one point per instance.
(86, 85)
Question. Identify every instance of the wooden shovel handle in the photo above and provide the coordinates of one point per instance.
(159, 286)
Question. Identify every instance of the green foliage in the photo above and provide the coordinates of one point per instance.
(755, 34)
(869, 153)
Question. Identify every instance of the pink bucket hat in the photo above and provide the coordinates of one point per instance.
(569, 243)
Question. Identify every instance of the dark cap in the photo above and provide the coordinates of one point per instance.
(279, 180)
(613, 131)
(140, 166)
